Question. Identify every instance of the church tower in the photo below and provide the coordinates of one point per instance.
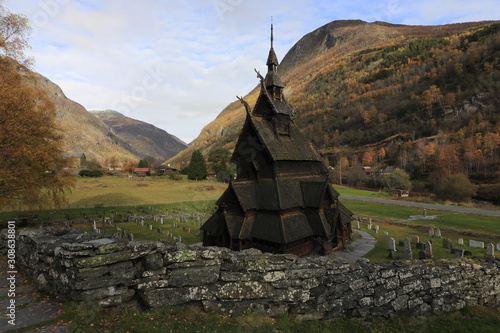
(281, 200)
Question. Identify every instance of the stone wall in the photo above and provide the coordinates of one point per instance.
(89, 269)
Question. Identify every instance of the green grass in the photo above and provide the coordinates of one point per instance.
(465, 222)
(400, 231)
(344, 190)
(139, 232)
(124, 191)
(191, 319)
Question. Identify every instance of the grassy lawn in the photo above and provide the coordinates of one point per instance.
(344, 190)
(124, 191)
(400, 231)
(474, 223)
(190, 319)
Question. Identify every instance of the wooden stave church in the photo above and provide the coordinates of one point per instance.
(282, 200)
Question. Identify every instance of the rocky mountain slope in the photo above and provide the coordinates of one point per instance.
(389, 90)
(147, 139)
(105, 134)
(82, 131)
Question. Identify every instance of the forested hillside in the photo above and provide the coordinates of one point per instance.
(422, 98)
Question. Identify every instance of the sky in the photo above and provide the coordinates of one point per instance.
(177, 64)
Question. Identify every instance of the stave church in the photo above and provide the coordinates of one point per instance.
(281, 200)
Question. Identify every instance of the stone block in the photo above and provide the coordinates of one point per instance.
(153, 261)
(195, 276)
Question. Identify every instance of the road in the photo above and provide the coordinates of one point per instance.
(456, 209)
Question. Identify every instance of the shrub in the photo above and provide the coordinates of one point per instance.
(456, 187)
(90, 173)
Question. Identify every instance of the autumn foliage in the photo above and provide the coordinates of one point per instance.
(32, 169)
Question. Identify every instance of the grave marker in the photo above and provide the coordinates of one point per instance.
(392, 244)
(428, 249)
(447, 243)
(490, 251)
(408, 254)
(473, 243)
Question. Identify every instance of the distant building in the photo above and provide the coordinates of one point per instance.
(165, 170)
(389, 169)
(141, 172)
(75, 160)
(281, 200)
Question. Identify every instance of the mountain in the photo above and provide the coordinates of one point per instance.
(424, 98)
(147, 140)
(82, 131)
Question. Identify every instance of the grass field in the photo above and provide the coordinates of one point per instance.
(400, 231)
(190, 319)
(344, 190)
(124, 191)
(474, 223)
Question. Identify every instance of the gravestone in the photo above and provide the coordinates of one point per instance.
(197, 232)
(425, 212)
(498, 246)
(459, 253)
(180, 239)
(415, 239)
(431, 232)
(428, 249)
(422, 255)
(408, 254)
(437, 232)
(158, 230)
(490, 251)
(460, 241)
(150, 226)
(392, 244)
(357, 223)
(447, 243)
(392, 255)
(142, 223)
(386, 233)
(473, 243)
(420, 245)
(161, 220)
(131, 237)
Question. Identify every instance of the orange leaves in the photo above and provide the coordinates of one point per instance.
(32, 167)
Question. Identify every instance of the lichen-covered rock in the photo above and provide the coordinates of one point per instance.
(195, 276)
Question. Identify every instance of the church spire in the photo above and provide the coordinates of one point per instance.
(272, 59)
(272, 80)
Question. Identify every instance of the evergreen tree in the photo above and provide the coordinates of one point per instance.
(143, 164)
(197, 168)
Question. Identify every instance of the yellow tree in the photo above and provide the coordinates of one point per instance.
(32, 170)
(14, 33)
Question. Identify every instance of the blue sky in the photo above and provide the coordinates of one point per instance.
(177, 64)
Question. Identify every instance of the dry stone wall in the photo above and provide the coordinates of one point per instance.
(89, 269)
